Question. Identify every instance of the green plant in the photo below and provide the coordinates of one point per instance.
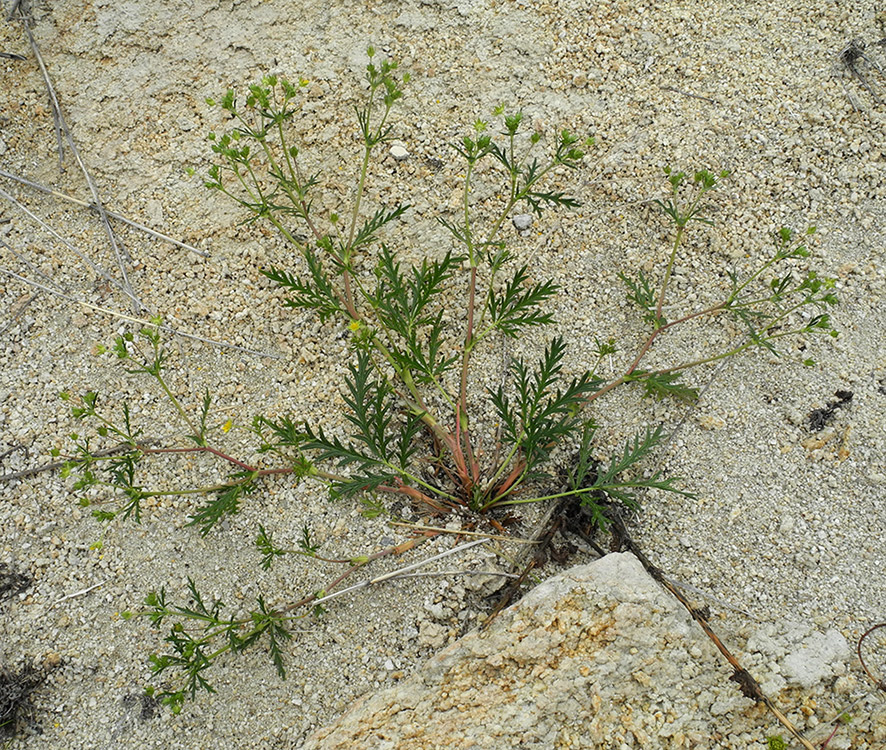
(410, 387)
(776, 742)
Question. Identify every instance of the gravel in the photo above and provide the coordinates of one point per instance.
(786, 521)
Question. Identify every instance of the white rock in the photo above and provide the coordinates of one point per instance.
(399, 152)
(577, 654)
(816, 658)
(522, 222)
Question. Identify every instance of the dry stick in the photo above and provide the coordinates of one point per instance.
(394, 574)
(398, 549)
(687, 93)
(746, 683)
(543, 536)
(12, 9)
(15, 314)
(32, 267)
(94, 266)
(79, 593)
(15, 449)
(850, 55)
(141, 321)
(462, 532)
(119, 448)
(443, 573)
(93, 207)
(59, 141)
(838, 720)
(137, 305)
(710, 597)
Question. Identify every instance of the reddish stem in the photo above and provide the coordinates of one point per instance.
(208, 449)
(509, 480)
(645, 348)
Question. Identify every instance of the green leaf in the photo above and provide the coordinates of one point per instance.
(518, 306)
(662, 385)
(271, 623)
(306, 544)
(318, 294)
(625, 490)
(266, 546)
(539, 200)
(372, 407)
(200, 439)
(585, 467)
(368, 232)
(226, 502)
(372, 507)
(401, 300)
(643, 296)
(541, 416)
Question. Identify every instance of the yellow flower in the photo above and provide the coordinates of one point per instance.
(226, 427)
(354, 325)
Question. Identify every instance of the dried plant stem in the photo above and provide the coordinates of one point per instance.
(119, 448)
(57, 112)
(394, 574)
(395, 550)
(462, 532)
(78, 593)
(140, 321)
(747, 684)
(111, 214)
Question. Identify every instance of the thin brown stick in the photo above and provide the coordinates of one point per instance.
(747, 684)
(545, 531)
(137, 304)
(113, 215)
(140, 321)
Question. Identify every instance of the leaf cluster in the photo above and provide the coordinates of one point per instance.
(192, 652)
(540, 414)
(682, 212)
(379, 450)
(590, 479)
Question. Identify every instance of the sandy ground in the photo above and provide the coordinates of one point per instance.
(788, 524)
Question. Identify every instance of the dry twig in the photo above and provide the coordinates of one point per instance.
(79, 593)
(140, 321)
(57, 113)
(746, 683)
(93, 207)
(94, 266)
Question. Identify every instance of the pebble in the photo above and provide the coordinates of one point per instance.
(522, 222)
(399, 152)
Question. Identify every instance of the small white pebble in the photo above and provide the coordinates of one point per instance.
(522, 222)
(399, 152)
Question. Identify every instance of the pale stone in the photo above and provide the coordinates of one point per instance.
(399, 152)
